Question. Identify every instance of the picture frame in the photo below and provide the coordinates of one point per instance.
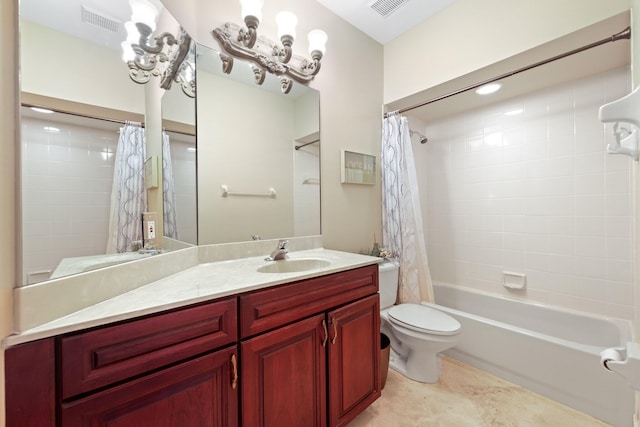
(357, 168)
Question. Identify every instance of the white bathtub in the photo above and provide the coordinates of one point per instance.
(550, 351)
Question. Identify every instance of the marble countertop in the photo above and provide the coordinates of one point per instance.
(76, 265)
(206, 281)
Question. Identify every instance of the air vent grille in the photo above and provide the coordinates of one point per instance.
(94, 18)
(386, 7)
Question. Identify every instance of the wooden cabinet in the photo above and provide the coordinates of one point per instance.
(299, 354)
(325, 341)
(176, 369)
(30, 384)
(354, 349)
(196, 393)
(283, 376)
(103, 356)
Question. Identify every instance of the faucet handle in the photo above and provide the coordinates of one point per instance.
(282, 244)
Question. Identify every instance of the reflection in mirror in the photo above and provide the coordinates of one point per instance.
(71, 63)
(180, 203)
(179, 164)
(252, 181)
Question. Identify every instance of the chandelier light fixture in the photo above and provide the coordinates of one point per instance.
(266, 55)
(163, 56)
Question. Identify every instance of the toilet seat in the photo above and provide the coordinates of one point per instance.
(425, 319)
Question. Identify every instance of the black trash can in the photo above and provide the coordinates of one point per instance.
(385, 350)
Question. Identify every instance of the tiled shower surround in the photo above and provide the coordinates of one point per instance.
(67, 171)
(67, 175)
(526, 186)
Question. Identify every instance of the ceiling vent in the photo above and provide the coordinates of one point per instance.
(385, 8)
(95, 18)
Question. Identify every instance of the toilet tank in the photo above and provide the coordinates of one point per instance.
(388, 281)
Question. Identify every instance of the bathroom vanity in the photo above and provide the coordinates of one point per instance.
(298, 353)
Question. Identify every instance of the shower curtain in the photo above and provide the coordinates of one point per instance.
(402, 229)
(168, 190)
(128, 194)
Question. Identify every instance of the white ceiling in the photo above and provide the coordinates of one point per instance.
(403, 15)
(66, 16)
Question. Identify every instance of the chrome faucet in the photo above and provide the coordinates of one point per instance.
(280, 252)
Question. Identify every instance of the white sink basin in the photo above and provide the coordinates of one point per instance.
(293, 265)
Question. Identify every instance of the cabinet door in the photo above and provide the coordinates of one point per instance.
(354, 355)
(30, 384)
(198, 393)
(283, 376)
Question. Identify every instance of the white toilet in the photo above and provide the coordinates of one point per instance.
(417, 332)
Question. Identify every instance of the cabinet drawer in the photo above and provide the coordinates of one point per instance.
(267, 309)
(198, 392)
(107, 355)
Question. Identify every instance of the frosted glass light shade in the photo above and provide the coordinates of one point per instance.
(286, 22)
(145, 12)
(252, 8)
(317, 40)
(133, 35)
(127, 52)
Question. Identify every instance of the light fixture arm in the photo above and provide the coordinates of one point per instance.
(171, 72)
(158, 42)
(285, 52)
(279, 61)
(247, 37)
(150, 52)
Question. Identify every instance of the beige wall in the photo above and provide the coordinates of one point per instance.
(245, 134)
(72, 73)
(350, 83)
(8, 84)
(472, 34)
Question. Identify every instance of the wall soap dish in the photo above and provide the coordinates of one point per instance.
(624, 110)
(513, 280)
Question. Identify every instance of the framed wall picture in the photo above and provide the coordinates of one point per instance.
(357, 168)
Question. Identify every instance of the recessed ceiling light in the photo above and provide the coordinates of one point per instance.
(42, 110)
(488, 88)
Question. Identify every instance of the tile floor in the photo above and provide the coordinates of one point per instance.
(466, 396)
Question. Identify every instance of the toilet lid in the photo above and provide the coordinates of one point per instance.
(423, 319)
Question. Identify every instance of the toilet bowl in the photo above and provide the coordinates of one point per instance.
(417, 333)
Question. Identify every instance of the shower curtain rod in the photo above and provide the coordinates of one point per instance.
(624, 34)
(84, 115)
(179, 132)
(305, 144)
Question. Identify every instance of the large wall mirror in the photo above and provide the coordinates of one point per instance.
(260, 145)
(71, 65)
(258, 155)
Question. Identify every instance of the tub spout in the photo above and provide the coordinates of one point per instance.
(624, 362)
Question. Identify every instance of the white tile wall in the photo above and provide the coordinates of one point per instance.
(66, 190)
(183, 158)
(533, 192)
(306, 189)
